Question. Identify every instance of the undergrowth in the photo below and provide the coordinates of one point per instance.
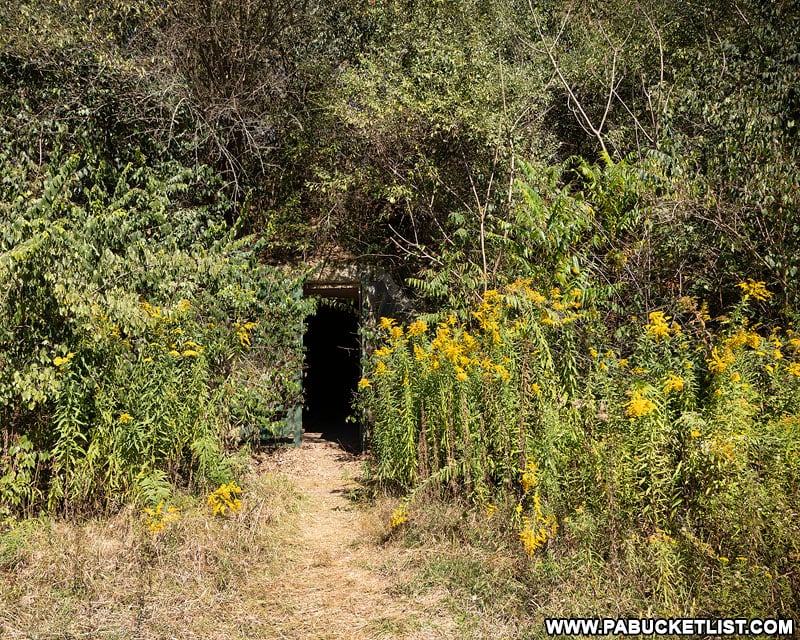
(139, 338)
(658, 476)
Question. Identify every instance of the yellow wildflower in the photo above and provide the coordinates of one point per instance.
(417, 328)
(381, 368)
(460, 374)
(536, 389)
(744, 338)
(658, 328)
(720, 361)
(364, 383)
(400, 514)
(530, 476)
(593, 352)
(159, 517)
(243, 332)
(190, 353)
(794, 369)
(757, 290)
(125, 418)
(491, 509)
(674, 383)
(174, 353)
(469, 342)
(536, 297)
(386, 323)
(224, 499)
(60, 362)
(396, 332)
(502, 372)
(639, 405)
(536, 529)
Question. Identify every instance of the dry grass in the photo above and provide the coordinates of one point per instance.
(112, 578)
(301, 560)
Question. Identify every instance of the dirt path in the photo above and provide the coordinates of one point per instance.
(341, 582)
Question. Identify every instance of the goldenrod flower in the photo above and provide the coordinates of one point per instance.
(125, 418)
(744, 338)
(400, 514)
(190, 353)
(364, 383)
(674, 383)
(757, 290)
(417, 328)
(720, 361)
(658, 328)
(224, 499)
(536, 297)
(536, 529)
(60, 362)
(530, 476)
(243, 332)
(794, 369)
(386, 323)
(159, 517)
(638, 405)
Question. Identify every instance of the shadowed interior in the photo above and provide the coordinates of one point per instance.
(332, 371)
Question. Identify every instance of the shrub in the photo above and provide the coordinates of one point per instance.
(132, 324)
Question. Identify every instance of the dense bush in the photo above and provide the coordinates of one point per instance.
(134, 333)
(674, 456)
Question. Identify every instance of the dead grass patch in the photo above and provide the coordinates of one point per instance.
(112, 578)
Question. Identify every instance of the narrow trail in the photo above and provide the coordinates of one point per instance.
(341, 582)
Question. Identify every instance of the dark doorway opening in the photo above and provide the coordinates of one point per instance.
(332, 372)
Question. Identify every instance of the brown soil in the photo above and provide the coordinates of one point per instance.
(342, 581)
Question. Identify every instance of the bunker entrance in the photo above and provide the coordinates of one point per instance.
(332, 367)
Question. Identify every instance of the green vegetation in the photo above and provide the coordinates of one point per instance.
(136, 332)
(677, 463)
(595, 205)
